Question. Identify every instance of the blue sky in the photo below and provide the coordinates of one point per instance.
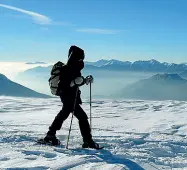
(38, 30)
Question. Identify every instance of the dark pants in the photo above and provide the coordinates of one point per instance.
(68, 104)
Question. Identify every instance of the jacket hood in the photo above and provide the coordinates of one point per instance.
(75, 58)
(75, 54)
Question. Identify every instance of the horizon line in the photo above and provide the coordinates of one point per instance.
(46, 63)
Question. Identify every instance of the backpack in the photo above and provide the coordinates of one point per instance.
(55, 77)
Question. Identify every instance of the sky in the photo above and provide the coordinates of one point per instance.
(38, 30)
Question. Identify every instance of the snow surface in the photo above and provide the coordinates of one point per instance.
(137, 135)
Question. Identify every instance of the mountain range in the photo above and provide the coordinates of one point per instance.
(158, 81)
(149, 66)
(157, 87)
(10, 88)
(117, 65)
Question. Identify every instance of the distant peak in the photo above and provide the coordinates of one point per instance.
(117, 62)
(114, 60)
(154, 61)
(3, 77)
(166, 77)
(174, 77)
(103, 60)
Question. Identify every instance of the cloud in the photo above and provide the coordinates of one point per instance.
(11, 69)
(98, 31)
(38, 18)
(36, 62)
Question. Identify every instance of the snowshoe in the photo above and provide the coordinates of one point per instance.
(92, 144)
(49, 140)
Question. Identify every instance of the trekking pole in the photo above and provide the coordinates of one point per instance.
(72, 117)
(91, 107)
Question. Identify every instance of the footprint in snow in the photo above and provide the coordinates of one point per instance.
(177, 126)
(31, 158)
(4, 159)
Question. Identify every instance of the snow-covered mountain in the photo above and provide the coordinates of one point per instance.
(110, 64)
(158, 87)
(10, 88)
(116, 65)
(137, 135)
(98, 63)
(148, 66)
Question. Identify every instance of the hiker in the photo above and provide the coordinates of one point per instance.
(69, 92)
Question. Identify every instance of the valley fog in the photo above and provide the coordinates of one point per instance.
(106, 83)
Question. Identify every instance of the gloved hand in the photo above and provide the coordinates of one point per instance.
(89, 79)
(79, 81)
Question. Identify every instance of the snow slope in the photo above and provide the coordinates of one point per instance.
(137, 135)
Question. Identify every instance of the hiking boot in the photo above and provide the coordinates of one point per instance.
(52, 139)
(91, 144)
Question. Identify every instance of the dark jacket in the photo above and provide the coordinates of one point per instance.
(70, 72)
